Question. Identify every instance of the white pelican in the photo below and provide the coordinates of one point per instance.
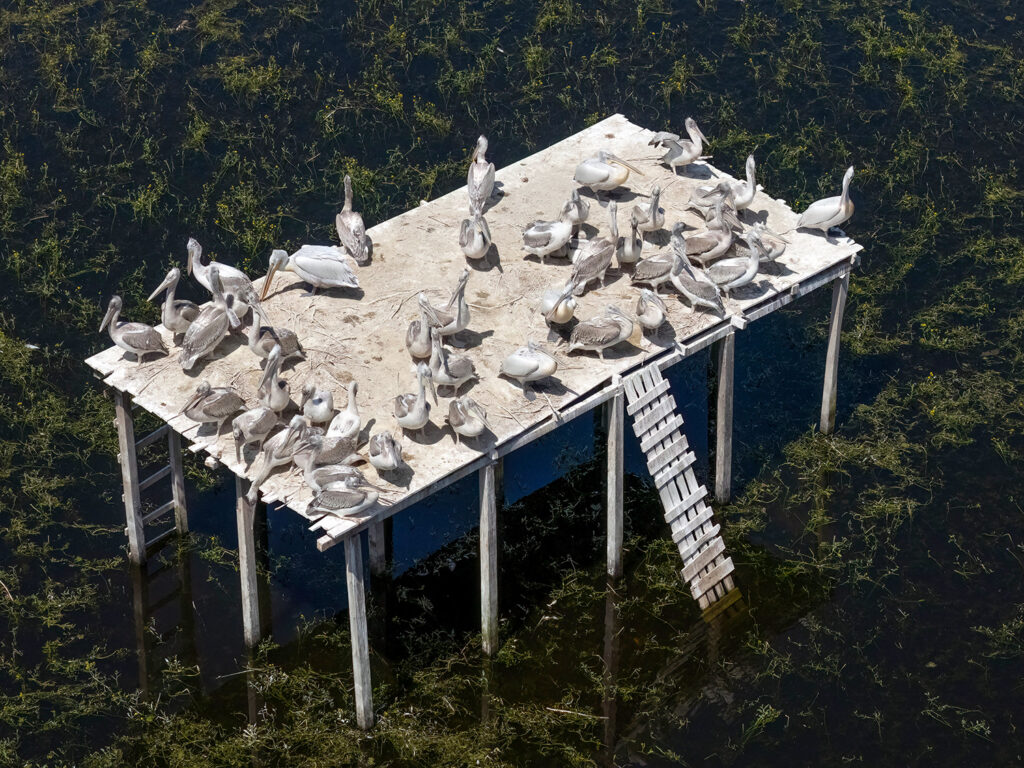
(210, 327)
(322, 266)
(579, 209)
(545, 238)
(234, 281)
(343, 499)
(274, 391)
(412, 411)
(651, 218)
(827, 214)
(741, 193)
(475, 236)
(384, 452)
(528, 364)
(627, 249)
(137, 338)
(351, 230)
(558, 306)
(176, 314)
(317, 404)
(680, 151)
(212, 405)
(650, 310)
(347, 422)
(466, 417)
(732, 273)
(601, 332)
(603, 172)
(591, 263)
(704, 247)
(278, 451)
(696, 286)
(449, 370)
(252, 426)
(480, 179)
(704, 197)
(417, 338)
(454, 316)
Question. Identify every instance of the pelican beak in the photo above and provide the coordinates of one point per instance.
(433, 389)
(701, 134)
(106, 319)
(776, 235)
(620, 161)
(233, 320)
(160, 288)
(267, 281)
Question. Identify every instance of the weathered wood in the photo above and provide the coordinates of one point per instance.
(151, 438)
(159, 512)
(616, 440)
(723, 419)
(684, 462)
(686, 504)
(156, 477)
(830, 390)
(673, 423)
(661, 457)
(713, 578)
(378, 548)
(703, 558)
(648, 397)
(488, 561)
(129, 477)
(683, 529)
(688, 550)
(358, 631)
(664, 407)
(177, 482)
(245, 514)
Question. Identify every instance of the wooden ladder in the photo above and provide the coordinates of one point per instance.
(137, 519)
(706, 567)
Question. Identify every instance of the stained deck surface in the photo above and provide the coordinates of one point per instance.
(361, 335)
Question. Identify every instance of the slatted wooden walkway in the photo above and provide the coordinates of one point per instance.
(659, 427)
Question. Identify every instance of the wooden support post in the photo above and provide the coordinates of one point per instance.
(358, 631)
(616, 437)
(140, 601)
(246, 515)
(177, 482)
(129, 477)
(378, 548)
(726, 350)
(840, 288)
(488, 561)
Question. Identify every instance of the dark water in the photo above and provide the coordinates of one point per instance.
(881, 571)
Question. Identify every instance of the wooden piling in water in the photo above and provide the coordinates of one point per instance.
(245, 514)
(488, 560)
(616, 438)
(129, 477)
(725, 353)
(177, 482)
(840, 287)
(358, 631)
(378, 548)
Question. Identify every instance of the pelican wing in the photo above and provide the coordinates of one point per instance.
(338, 500)
(727, 271)
(459, 366)
(205, 333)
(480, 184)
(404, 405)
(457, 415)
(702, 242)
(598, 332)
(141, 337)
(538, 234)
(351, 230)
(821, 212)
(676, 148)
(519, 364)
(466, 232)
(336, 449)
(661, 137)
(324, 267)
(221, 401)
(652, 268)
(186, 309)
(592, 171)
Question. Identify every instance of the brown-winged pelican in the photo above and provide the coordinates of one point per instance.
(549, 238)
(253, 426)
(263, 337)
(650, 310)
(480, 179)
(384, 452)
(448, 370)
(351, 230)
(343, 499)
(592, 262)
(466, 417)
(234, 282)
(137, 338)
(454, 316)
(274, 391)
(176, 314)
(579, 209)
(601, 332)
(412, 411)
(475, 237)
(680, 151)
(277, 451)
(417, 338)
(652, 217)
(212, 405)
(316, 473)
(211, 326)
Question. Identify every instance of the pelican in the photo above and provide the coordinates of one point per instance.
(454, 316)
(558, 306)
(212, 405)
(704, 197)
(528, 364)
(413, 411)
(322, 266)
(343, 499)
(274, 391)
(603, 172)
(176, 314)
(263, 338)
(650, 310)
(742, 193)
(318, 475)
(278, 451)
(466, 417)
(601, 332)
(579, 209)
(449, 370)
(347, 422)
(233, 280)
(694, 284)
(475, 236)
(595, 256)
(655, 269)
(771, 249)
(385, 452)
(651, 218)
(732, 273)
(253, 426)
(704, 247)
(545, 238)
(680, 151)
(317, 404)
(211, 326)
(480, 179)
(827, 214)
(137, 338)
(627, 249)
(417, 338)
(351, 231)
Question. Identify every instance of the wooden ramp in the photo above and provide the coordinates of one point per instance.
(659, 428)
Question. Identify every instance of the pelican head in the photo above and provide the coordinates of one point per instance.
(423, 371)
(278, 260)
(273, 366)
(113, 310)
(173, 276)
(693, 130)
(762, 229)
(609, 157)
(847, 177)
(195, 252)
(562, 305)
(480, 153)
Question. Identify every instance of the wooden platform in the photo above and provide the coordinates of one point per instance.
(361, 334)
